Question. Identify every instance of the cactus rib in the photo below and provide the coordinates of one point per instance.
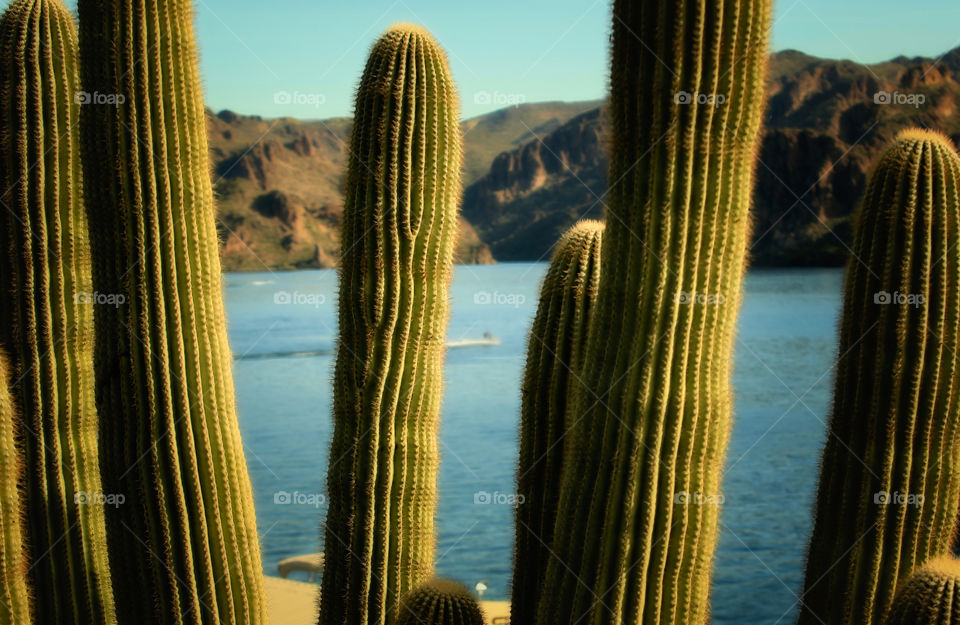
(14, 595)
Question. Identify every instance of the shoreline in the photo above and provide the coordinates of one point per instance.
(291, 602)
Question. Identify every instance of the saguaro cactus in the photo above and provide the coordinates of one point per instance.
(636, 526)
(931, 596)
(14, 598)
(184, 545)
(439, 602)
(890, 483)
(555, 360)
(399, 229)
(46, 318)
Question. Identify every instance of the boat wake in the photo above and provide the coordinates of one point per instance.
(487, 341)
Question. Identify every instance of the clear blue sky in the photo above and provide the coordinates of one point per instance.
(536, 50)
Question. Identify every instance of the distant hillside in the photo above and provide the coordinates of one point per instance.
(533, 170)
(536, 192)
(823, 131)
(489, 135)
(278, 181)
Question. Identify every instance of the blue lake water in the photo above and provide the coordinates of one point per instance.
(782, 382)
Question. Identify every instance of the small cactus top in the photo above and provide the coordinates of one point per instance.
(409, 28)
(931, 596)
(439, 602)
(924, 134)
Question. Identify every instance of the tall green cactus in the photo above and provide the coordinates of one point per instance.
(399, 229)
(14, 597)
(636, 525)
(555, 361)
(46, 318)
(890, 481)
(931, 596)
(184, 546)
(439, 602)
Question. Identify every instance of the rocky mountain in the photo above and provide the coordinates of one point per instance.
(540, 189)
(278, 181)
(826, 123)
(534, 169)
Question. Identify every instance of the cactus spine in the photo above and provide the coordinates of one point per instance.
(890, 483)
(555, 360)
(931, 596)
(46, 320)
(652, 420)
(439, 602)
(14, 597)
(399, 229)
(184, 546)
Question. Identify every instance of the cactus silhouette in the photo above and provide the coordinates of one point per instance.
(653, 415)
(399, 228)
(184, 546)
(14, 597)
(930, 596)
(890, 484)
(555, 360)
(46, 318)
(439, 602)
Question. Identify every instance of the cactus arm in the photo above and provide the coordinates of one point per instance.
(656, 406)
(402, 193)
(47, 317)
(185, 548)
(893, 427)
(554, 367)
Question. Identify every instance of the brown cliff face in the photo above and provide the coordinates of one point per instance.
(277, 190)
(825, 126)
(827, 123)
(278, 182)
(534, 193)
